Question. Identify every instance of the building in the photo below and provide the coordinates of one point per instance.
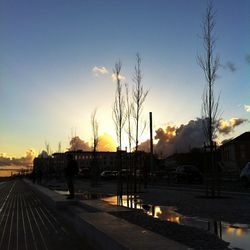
(236, 152)
(55, 164)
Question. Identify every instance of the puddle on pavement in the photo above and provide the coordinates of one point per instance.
(237, 234)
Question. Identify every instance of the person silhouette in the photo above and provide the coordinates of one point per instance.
(70, 171)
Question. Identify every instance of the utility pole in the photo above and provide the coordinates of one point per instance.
(151, 143)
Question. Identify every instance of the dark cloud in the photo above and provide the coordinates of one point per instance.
(105, 143)
(177, 139)
(247, 58)
(227, 126)
(230, 66)
(187, 136)
(144, 146)
(77, 144)
(27, 160)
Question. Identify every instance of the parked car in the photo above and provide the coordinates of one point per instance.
(115, 173)
(107, 175)
(188, 174)
(245, 175)
(124, 173)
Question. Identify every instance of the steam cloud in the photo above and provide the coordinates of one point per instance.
(181, 139)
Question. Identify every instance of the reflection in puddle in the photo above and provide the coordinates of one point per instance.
(237, 234)
(132, 202)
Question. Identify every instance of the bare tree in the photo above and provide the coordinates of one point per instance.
(47, 147)
(95, 130)
(94, 163)
(139, 95)
(119, 114)
(129, 108)
(59, 150)
(209, 64)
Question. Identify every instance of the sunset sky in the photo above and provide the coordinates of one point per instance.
(57, 56)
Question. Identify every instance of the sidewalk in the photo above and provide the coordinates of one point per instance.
(93, 221)
(130, 229)
(27, 223)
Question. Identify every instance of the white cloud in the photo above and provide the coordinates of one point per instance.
(247, 108)
(121, 77)
(99, 71)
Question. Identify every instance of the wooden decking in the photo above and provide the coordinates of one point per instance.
(26, 223)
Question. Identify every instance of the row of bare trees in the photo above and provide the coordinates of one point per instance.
(128, 106)
(126, 110)
(127, 117)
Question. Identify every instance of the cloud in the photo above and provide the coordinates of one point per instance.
(247, 58)
(230, 66)
(144, 146)
(23, 161)
(77, 144)
(30, 155)
(165, 134)
(105, 143)
(120, 77)
(247, 108)
(227, 126)
(180, 139)
(99, 71)
(173, 139)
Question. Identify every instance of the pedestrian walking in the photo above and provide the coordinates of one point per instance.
(71, 171)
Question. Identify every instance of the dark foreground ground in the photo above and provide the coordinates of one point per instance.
(232, 208)
(26, 223)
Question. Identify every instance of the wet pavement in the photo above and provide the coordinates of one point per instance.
(227, 217)
(238, 235)
(26, 223)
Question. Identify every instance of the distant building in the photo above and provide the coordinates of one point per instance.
(55, 164)
(236, 152)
